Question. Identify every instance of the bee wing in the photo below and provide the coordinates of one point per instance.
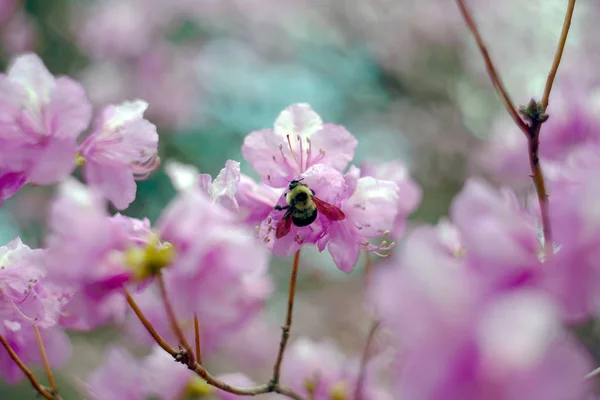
(284, 225)
(331, 212)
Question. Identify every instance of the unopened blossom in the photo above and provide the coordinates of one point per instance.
(27, 300)
(40, 119)
(298, 140)
(96, 254)
(461, 339)
(409, 194)
(320, 371)
(121, 149)
(219, 274)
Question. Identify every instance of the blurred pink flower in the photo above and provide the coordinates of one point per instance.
(20, 34)
(298, 141)
(27, 299)
(7, 7)
(40, 121)
(221, 275)
(409, 195)
(120, 377)
(320, 371)
(41, 118)
(121, 149)
(460, 339)
(88, 253)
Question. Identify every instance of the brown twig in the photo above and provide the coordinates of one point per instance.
(491, 69)
(197, 339)
(358, 394)
(148, 325)
(558, 55)
(285, 330)
(173, 318)
(34, 382)
(47, 367)
(200, 370)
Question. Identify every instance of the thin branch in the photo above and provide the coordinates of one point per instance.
(34, 382)
(47, 367)
(285, 330)
(358, 394)
(491, 69)
(558, 55)
(173, 318)
(197, 339)
(148, 325)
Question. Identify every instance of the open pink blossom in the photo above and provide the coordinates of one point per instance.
(121, 149)
(120, 377)
(220, 275)
(370, 206)
(298, 140)
(409, 195)
(328, 185)
(320, 371)
(459, 338)
(40, 119)
(256, 200)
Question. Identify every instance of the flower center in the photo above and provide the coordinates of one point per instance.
(300, 155)
(148, 261)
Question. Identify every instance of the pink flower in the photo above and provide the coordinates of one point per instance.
(122, 149)
(320, 371)
(27, 299)
(328, 185)
(221, 275)
(370, 206)
(255, 200)
(409, 195)
(298, 141)
(461, 339)
(40, 119)
(94, 254)
(120, 377)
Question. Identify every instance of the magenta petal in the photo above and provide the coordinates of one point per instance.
(261, 150)
(343, 246)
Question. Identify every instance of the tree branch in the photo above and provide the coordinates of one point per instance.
(285, 330)
(491, 69)
(40, 343)
(34, 382)
(558, 55)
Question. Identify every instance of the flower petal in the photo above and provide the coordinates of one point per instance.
(114, 181)
(261, 150)
(225, 185)
(336, 144)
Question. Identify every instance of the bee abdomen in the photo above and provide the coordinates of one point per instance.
(304, 217)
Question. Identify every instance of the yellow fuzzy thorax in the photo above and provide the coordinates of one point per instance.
(292, 198)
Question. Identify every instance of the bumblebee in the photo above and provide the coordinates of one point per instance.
(302, 209)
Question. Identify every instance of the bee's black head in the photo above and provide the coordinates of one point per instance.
(295, 183)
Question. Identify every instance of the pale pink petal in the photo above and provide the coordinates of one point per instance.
(343, 246)
(372, 207)
(225, 185)
(114, 181)
(261, 150)
(182, 176)
(69, 111)
(29, 71)
(54, 161)
(337, 145)
(298, 120)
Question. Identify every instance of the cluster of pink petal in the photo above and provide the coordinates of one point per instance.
(478, 304)
(219, 274)
(28, 300)
(122, 376)
(320, 371)
(302, 147)
(42, 117)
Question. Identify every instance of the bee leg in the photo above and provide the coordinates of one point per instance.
(312, 191)
(278, 207)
